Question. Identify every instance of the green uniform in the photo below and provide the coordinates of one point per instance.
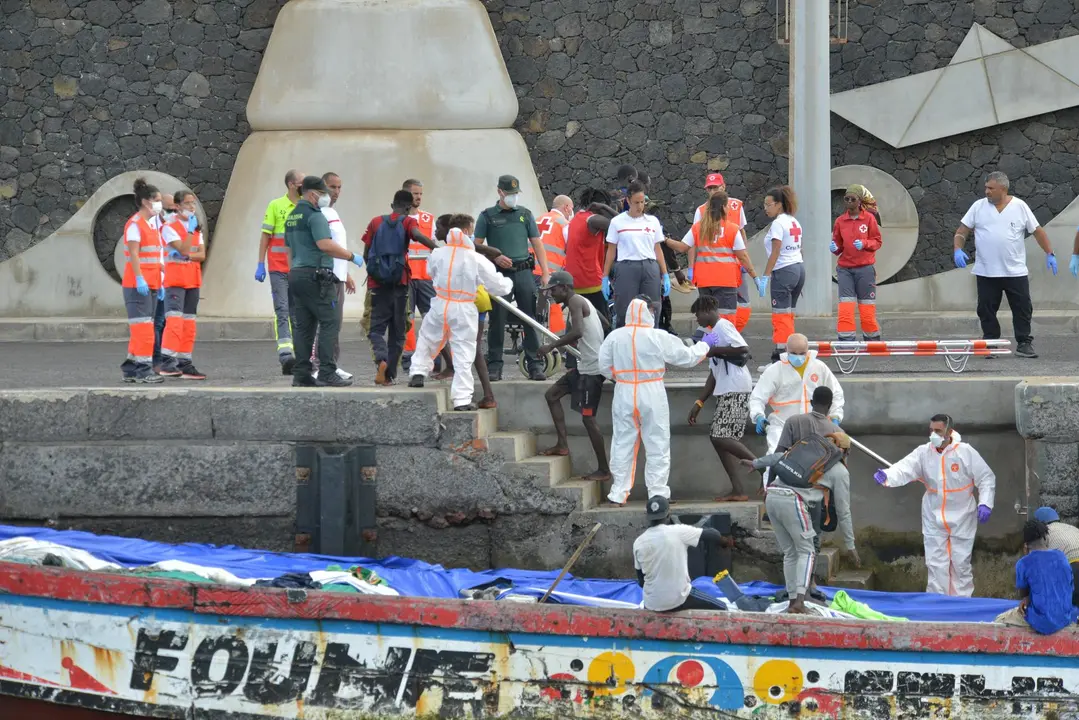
(507, 230)
(313, 287)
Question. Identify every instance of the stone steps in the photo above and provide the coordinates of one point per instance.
(853, 579)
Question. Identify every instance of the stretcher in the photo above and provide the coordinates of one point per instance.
(956, 353)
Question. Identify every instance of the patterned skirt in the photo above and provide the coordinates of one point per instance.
(732, 412)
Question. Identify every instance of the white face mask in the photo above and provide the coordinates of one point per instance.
(156, 207)
(937, 439)
(323, 201)
(511, 200)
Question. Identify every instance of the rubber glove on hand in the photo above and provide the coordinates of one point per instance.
(666, 284)
(260, 272)
(960, 258)
(175, 254)
(1074, 265)
(880, 477)
(762, 284)
(832, 247)
(711, 339)
(606, 288)
(983, 513)
(689, 273)
(161, 295)
(358, 259)
(836, 421)
(858, 244)
(1051, 262)
(760, 423)
(141, 286)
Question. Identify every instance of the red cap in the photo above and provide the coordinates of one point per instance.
(714, 180)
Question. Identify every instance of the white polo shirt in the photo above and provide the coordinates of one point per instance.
(729, 378)
(337, 234)
(789, 233)
(636, 238)
(1000, 237)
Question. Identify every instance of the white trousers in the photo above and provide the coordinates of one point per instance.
(948, 560)
(456, 324)
(640, 418)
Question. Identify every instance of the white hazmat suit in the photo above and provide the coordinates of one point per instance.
(456, 271)
(636, 356)
(949, 508)
(788, 393)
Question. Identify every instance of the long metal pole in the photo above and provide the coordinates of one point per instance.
(810, 149)
(869, 452)
(537, 326)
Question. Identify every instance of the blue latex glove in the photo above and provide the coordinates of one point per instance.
(666, 284)
(960, 258)
(161, 295)
(358, 259)
(836, 421)
(606, 288)
(760, 424)
(260, 272)
(689, 274)
(1051, 262)
(1074, 265)
(832, 247)
(175, 254)
(858, 244)
(762, 284)
(983, 513)
(880, 477)
(141, 286)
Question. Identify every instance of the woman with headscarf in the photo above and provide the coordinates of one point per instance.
(856, 239)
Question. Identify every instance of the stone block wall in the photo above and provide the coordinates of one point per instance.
(683, 87)
(1047, 416)
(92, 88)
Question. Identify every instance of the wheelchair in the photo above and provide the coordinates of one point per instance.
(515, 329)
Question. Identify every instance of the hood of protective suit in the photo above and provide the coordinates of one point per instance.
(639, 314)
(457, 238)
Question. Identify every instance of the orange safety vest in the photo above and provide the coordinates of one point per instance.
(182, 272)
(417, 252)
(716, 264)
(551, 225)
(149, 254)
(734, 210)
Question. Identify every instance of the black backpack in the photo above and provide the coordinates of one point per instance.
(803, 464)
(386, 259)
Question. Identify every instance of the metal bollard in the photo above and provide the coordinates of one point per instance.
(336, 500)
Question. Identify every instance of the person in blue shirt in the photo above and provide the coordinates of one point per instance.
(1044, 580)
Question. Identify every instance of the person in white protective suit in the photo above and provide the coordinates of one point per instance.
(787, 387)
(951, 470)
(456, 271)
(636, 356)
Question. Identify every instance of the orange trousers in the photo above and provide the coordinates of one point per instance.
(140, 322)
(857, 287)
(178, 340)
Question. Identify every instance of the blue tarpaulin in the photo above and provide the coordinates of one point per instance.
(419, 579)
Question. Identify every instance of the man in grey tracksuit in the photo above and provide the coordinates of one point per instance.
(795, 511)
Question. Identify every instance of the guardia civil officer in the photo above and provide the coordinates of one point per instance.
(314, 285)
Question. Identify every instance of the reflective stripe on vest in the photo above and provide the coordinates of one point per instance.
(716, 264)
(149, 258)
(551, 225)
(418, 252)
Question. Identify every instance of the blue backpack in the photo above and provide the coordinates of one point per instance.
(386, 258)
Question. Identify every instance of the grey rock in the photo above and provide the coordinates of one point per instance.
(196, 85)
(207, 15)
(660, 33)
(669, 127)
(103, 12)
(25, 218)
(150, 12)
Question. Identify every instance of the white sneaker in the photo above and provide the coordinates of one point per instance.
(344, 374)
(314, 374)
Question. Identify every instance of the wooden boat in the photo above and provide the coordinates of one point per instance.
(77, 645)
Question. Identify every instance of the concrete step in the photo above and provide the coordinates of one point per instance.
(853, 579)
(484, 422)
(587, 492)
(556, 470)
(829, 562)
(514, 446)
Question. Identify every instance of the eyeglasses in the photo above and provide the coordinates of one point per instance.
(851, 198)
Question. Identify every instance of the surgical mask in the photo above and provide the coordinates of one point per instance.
(323, 201)
(156, 207)
(796, 360)
(937, 439)
(510, 200)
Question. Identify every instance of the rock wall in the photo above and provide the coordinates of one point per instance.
(89, 89)
(1046, 417)
(685, 87)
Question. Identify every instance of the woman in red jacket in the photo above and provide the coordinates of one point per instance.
(856, 239)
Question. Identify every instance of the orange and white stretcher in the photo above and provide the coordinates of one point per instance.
(956, 353)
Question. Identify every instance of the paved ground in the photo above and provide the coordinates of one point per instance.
(254, 364)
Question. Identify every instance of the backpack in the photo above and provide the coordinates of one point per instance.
(386, 258)
(803, 464)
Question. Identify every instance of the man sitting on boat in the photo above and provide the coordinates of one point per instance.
(662, 563)
(1044, 581)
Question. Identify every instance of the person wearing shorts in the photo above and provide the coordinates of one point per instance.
(731, 385)
(583, 381)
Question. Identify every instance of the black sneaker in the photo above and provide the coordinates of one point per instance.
(169, 370)
(537, 375)
(149, 379)
(287, 365)
(306, 381)
(464, 408)
(416, 381)
(334, 380)
(1025, 350)
(190, 372)
(129, 378)
(494, 374)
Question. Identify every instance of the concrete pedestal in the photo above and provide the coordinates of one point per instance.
(1047, 416)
